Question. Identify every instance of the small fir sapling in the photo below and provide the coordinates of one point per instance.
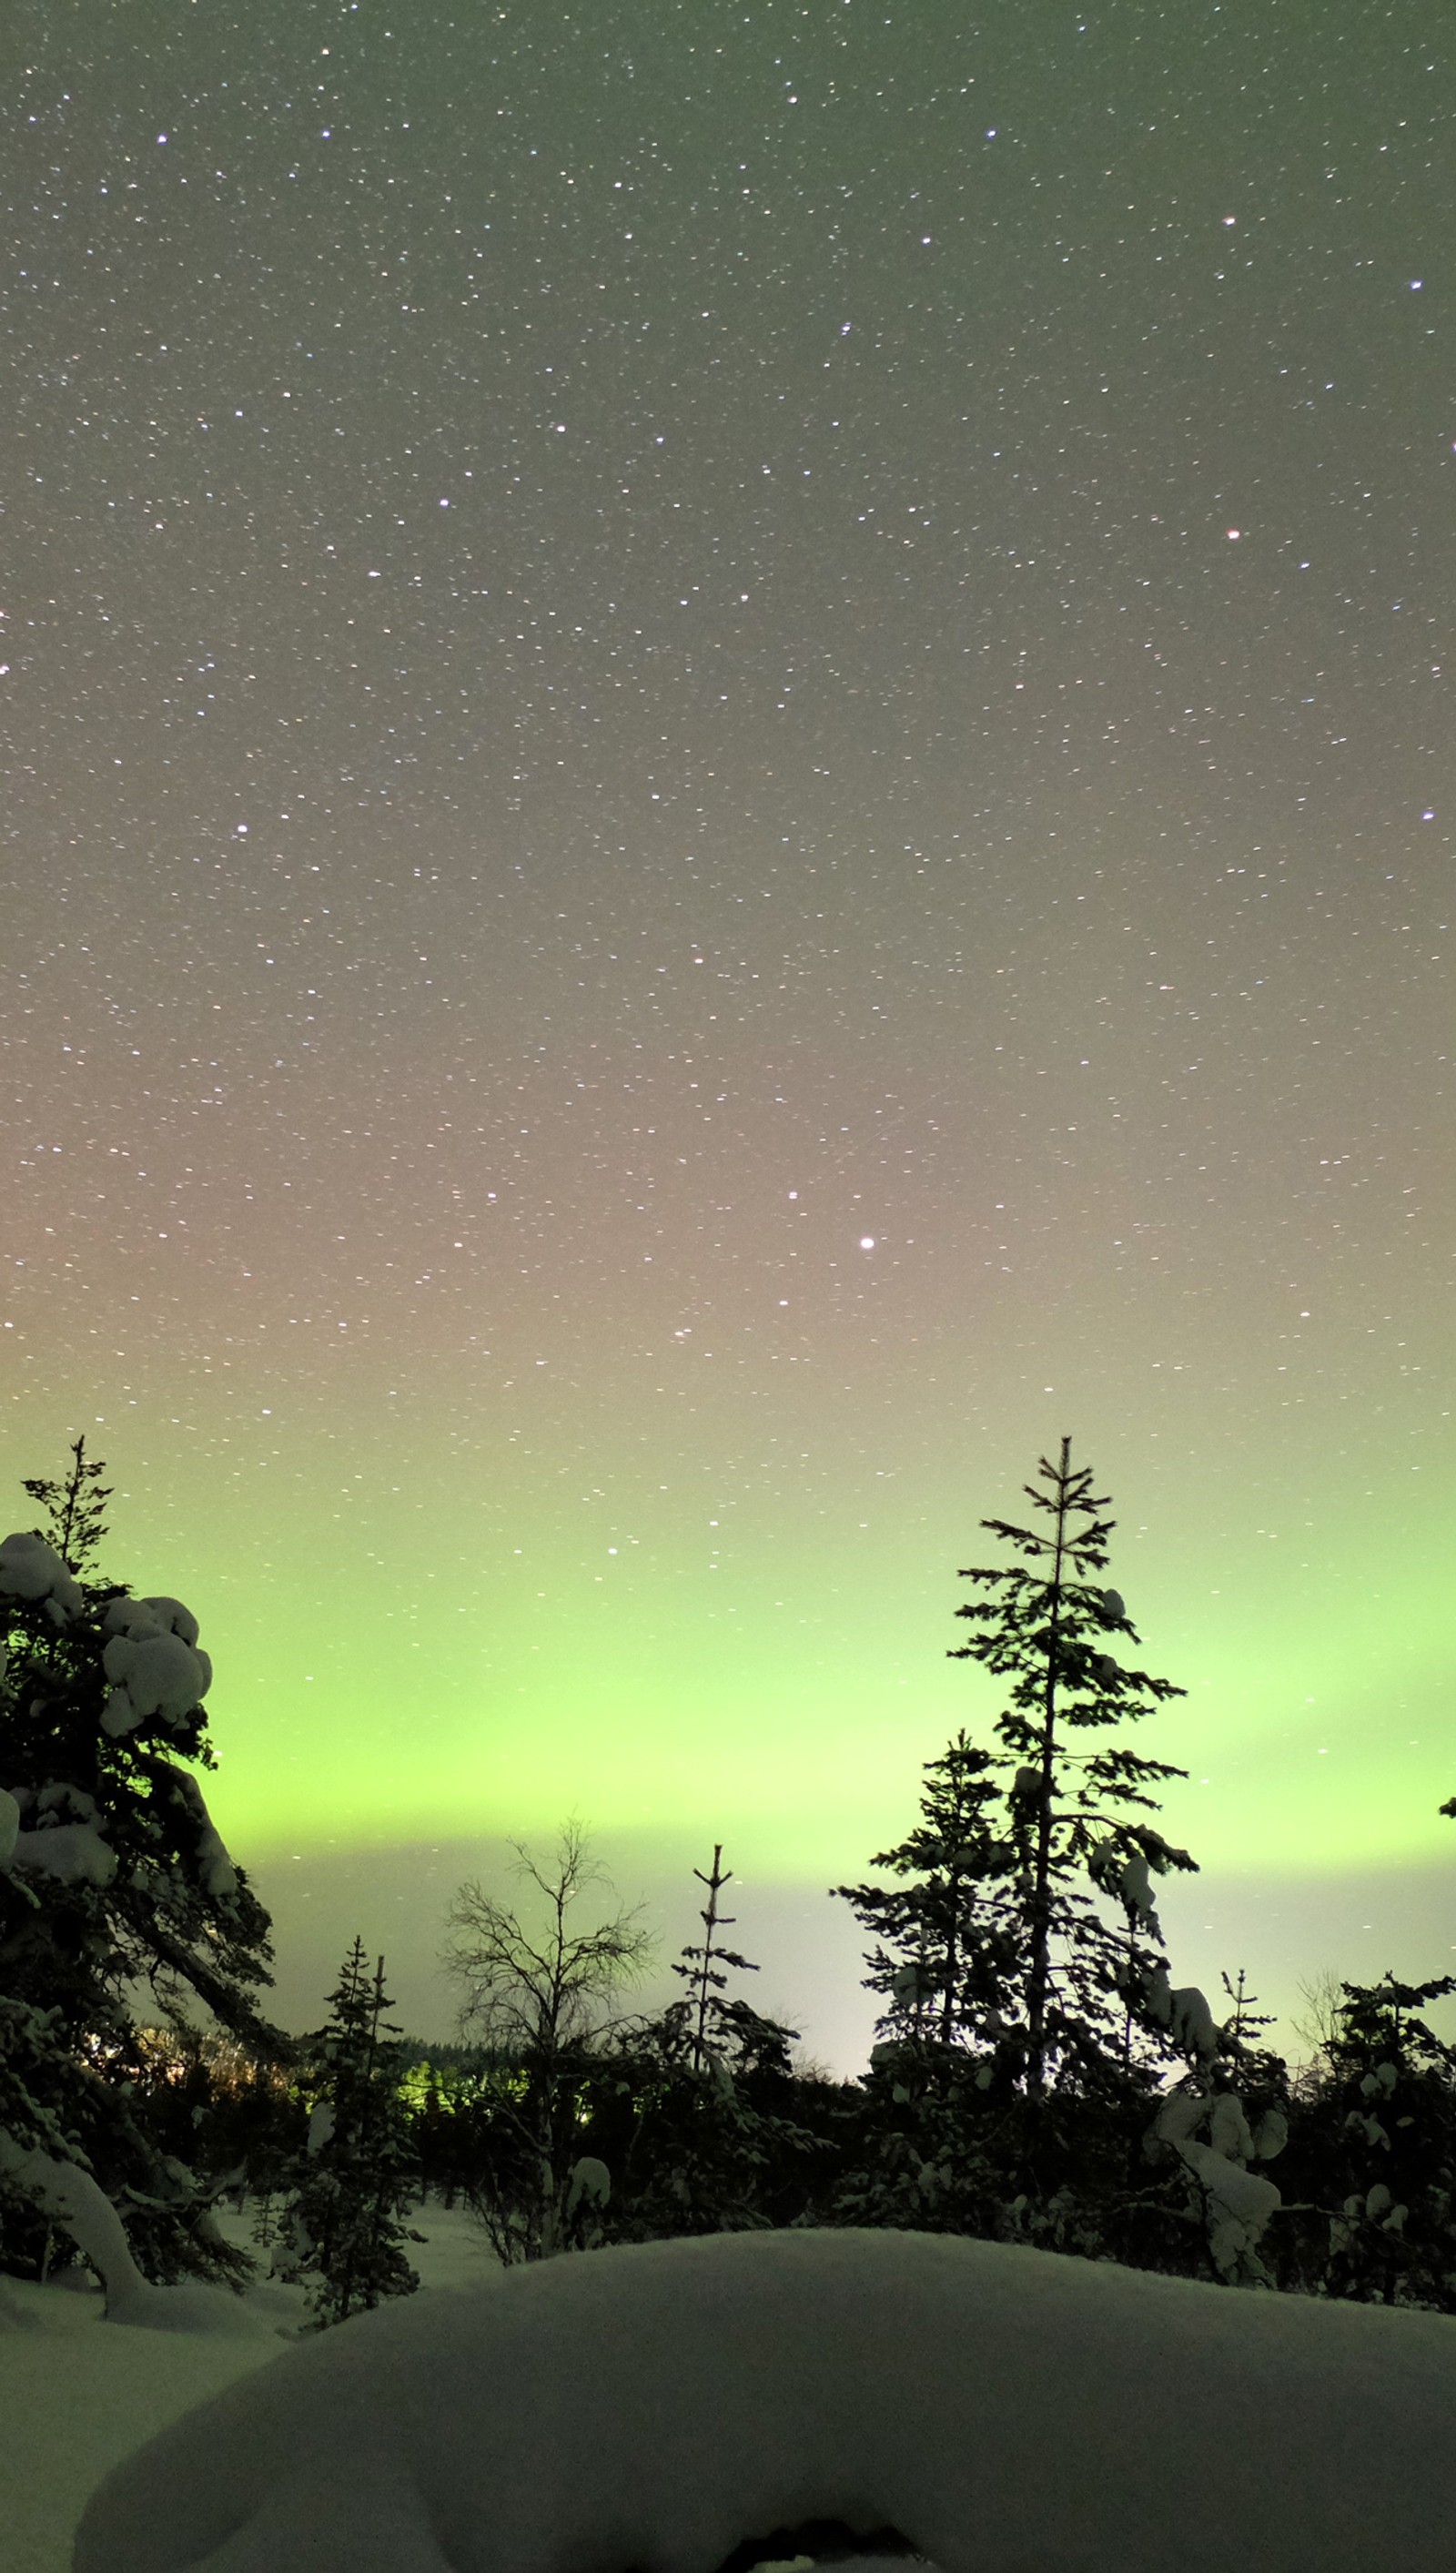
(1203, 2120)
(710, 2146)
(344, 2219)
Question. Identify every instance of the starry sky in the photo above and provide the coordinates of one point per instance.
(731, 780)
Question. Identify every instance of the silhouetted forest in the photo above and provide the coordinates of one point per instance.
(1038, 2076)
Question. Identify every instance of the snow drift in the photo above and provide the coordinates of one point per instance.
(1006, 2411)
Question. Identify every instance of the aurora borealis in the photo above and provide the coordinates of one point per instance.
(731, 785)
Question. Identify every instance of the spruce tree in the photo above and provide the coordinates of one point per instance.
(1376, 2147)
(75, 1510)
(1046, 1626)
(43, 2108)
(113, 1875)
(946, 1958)
(359, 2173)
(1227, 2113)
(714, 2147)
(946, 1962)
(705, 2009)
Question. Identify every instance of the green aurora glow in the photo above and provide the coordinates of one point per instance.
(618, 686)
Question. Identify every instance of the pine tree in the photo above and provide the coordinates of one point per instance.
(359, 2173)
(112, 1875)
(1046, 1626)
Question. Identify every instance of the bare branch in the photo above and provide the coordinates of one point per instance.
(539, 1990)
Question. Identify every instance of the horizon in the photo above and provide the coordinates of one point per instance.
(734, 790)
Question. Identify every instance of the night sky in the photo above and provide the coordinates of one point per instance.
(731, 788)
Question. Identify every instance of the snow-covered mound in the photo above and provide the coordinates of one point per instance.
(1008, 2410)
(81, 2388)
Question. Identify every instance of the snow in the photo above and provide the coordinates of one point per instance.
(71, 2197)
(155, 1661)
(73, 1852)
(152, 1617)
(1245, 2194)
(320, 2125)
(591, 2184)
(77, 2393)
(154, 1673)
(76, 2396)
(1159, 1996)
(1228, 2127)
(31, 1569)
(1272, 2135)
(1190, 2024)
(215, 1870)
(1137, 1893)
(1182, 2114)
(1006, 2411)
(1124, 1874)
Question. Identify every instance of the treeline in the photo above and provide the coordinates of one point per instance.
(1037, 2076)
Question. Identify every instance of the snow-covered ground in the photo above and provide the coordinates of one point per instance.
(659, 2407)
(77, 2395)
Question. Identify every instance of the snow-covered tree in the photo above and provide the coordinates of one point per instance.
(1210, 2133)
(43, 2104)
(1087, 1996)
(111, 1874)
(1376, 2147)
(1228, 2112)
(538, 1999)
(346, 2208)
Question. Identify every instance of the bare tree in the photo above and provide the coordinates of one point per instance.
(539, 2001)
(1323, 1997)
